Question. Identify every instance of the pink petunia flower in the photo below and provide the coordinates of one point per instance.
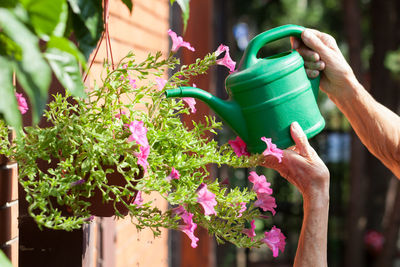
(272, 149)
(132, 82)
(266, 202)
(226, 60)
(142, 156)
(189, 226)
(239, 147)
(206, 199)
(118, 116)
(250, 232)
(138, 133)
(374, 240)
(242, 209)
(177, 41)
(189, 231)
(191, 103)
(260, 184)
(160, 83)
(22, 104)
(173, 175)
(138, 199)
(275, 240)
(178, 210)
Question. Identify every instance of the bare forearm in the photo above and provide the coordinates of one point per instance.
(312, 246)
(376, 126)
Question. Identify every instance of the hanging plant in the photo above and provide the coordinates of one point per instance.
(125, 141)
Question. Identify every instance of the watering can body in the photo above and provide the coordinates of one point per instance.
(267, 95)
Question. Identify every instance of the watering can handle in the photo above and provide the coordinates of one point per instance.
(250, 55)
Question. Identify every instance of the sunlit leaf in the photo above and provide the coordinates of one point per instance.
(33, 73)
(8, 3)
(4, 262)
(184, 4)
(8, 102)
(87, 23)
(128, 4)
(66, 45)
(66, 69)
(62, 23)
(44, 15)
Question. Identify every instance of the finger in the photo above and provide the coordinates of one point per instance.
(319, 65)
(313, 41)
(325, 38)
(282, 167)
(295, 42)
(308, 54)
(300, 139)
(312, 73)
(294, 148)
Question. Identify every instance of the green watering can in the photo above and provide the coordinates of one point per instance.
(268, 94)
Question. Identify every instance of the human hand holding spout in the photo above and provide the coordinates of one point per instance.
(302, 167)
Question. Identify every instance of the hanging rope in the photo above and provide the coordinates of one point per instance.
(106, 35)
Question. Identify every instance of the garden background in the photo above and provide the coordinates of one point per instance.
(365, 196)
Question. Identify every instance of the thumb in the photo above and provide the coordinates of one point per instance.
(311, 40)
(300, 139)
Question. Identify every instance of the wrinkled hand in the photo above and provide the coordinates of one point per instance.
(302, 166)
(321, 53)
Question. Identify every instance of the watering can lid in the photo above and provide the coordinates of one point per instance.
(253, 70)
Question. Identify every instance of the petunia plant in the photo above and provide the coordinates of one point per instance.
(128, 127)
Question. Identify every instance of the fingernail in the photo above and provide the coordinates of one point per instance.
(296, 126)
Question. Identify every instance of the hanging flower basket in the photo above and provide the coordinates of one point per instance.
(125, 140)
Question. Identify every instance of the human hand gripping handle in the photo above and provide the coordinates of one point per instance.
(302, 167)
(375, 125)
(321, 53)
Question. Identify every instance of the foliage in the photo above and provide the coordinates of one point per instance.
(4, 261)
(392, 62)
(90, 139)
(184, 5)
(34, 43)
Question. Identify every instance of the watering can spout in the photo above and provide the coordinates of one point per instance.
(228, 111)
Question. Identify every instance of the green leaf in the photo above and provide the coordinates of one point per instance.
(128, 4)
(8, 102)
(392, 61)
(66, 69)
(32, 71)
(4, 261)
(90, 12)
(45, 15)
(62, 23)
(66, 45)
(9, 48)
(8, 3)
(87, 23)
(184, 4)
